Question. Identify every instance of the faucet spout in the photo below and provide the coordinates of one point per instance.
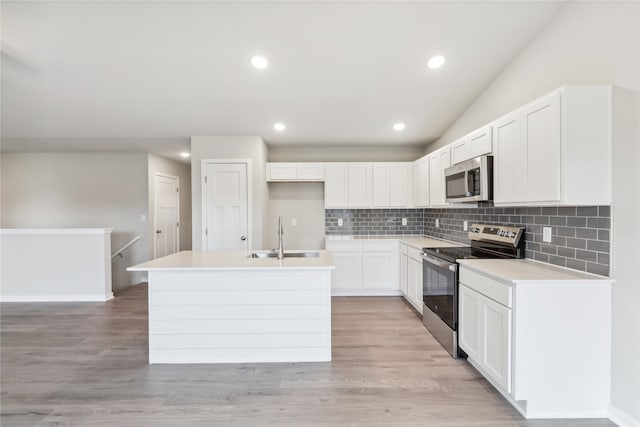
(280, 248)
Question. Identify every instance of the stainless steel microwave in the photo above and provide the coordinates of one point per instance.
(470, 181)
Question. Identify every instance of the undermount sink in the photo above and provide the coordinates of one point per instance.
(271, 254)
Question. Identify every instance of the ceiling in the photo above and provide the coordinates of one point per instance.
(145, 76)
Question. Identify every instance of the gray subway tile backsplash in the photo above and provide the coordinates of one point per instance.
(580, 234)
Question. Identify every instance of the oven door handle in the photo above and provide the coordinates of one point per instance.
(438, 263)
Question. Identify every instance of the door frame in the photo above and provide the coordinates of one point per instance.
(203, 196)
(155, 210)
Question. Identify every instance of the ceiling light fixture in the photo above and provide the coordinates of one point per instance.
(184, 154)
(259, 62)
(398, 127)
(436, 62)
(279, 127)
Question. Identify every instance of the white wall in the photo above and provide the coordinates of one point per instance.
(302, 201)
(230, 147)
(80, 190)
(344, 153)
(590, 42)
(161, 165)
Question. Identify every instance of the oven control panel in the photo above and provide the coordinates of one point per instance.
(496, 233)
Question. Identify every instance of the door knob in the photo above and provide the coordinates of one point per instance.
(158, 231)
(243, 238)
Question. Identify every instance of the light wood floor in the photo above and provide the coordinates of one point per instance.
(85, 364)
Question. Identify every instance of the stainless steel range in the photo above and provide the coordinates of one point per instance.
(440, 277)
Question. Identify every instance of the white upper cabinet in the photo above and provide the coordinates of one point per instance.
(541, 122)
(527, 154)
(421, 182)
(392, 184)
(335, 186)
(438, 161)
(359, 185)
(508, 160)
(475, 144)
(556, 149)
(289, 172)
(369, 185)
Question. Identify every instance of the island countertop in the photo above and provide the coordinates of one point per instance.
(233, 260)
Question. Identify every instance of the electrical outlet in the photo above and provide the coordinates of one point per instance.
(465, 225)
(339, 222)
(294, 222)
(437, 223)
(546, 234)
(404, 221)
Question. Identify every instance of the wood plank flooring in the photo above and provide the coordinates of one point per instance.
(85, 364)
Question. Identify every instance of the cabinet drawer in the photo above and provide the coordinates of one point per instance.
(490, 288)
(379, 246)
(414, 253)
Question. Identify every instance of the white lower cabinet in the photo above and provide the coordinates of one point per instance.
(485, 335)
(411, 275)
(543, 344)
(348, 261)
(403, 268)
(365, 267)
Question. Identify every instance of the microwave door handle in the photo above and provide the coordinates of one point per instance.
(466, 183)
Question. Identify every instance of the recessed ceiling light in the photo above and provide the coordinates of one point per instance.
(259, 62)
(436, 62)
(184, 154)
(279, 127)
(399, 126)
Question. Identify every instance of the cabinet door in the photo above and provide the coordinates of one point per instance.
(282, 172)
(496, 345)
(335, 186)
(403, 273)
(508, 174)
(479, 142)
(380, 184)
(469, 321)
(438, 162)
(359, 185)
(398, 185)
(348, 271)
(379, 270)
(414, 282)
(542, 141)
(310, 171)
(421, 182)
(459, 151)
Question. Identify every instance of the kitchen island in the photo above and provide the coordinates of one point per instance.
(230, 307)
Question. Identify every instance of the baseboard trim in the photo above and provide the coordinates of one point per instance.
(365, 293)
(621, 418)
(58, 298)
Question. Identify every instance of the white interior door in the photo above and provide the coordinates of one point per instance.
(226, 207)
(166, 217)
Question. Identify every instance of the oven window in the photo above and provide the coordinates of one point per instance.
(439, 292)
(456, 185)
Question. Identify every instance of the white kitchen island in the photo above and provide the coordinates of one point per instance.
(225, 307)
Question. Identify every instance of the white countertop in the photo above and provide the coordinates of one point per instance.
(521, 270)
(232, 260)
(417, 242)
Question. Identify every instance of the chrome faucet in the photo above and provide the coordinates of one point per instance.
(280, 249)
